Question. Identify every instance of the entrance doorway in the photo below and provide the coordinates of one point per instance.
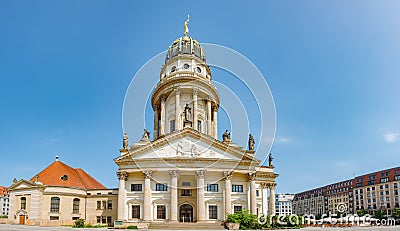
(186, 213)
(22, 219)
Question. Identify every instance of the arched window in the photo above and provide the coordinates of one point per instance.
(75, 206)
(23, 202)
(55, 205)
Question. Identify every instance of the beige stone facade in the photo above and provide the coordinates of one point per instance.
(36, 204)
(186, 174)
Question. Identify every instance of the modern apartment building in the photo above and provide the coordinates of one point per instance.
(370, 192)
(4, 201)
(283, 204)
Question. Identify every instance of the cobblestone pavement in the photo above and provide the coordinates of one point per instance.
(38, 228)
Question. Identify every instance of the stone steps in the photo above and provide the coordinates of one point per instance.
(187, 226)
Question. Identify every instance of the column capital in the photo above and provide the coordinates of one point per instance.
(214, 108)
(147, 174)
(227, 175)
(200, 174)
(122, 175)
(174, 173)
(264, 185)
(195, 91)
(272, 186)
(163, 98)
(177, 90)
(251, 176)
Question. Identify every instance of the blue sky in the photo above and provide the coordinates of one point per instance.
(332, 66)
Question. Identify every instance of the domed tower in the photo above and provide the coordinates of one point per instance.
(185, 96)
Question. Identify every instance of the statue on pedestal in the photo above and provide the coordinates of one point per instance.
(251, 142)
(187, 113)
(146, 135)
(125, 141)
(270, 158)
(226, 136)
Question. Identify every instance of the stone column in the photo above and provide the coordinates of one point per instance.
(228, 192)
(174, 195)
(162, 113)
(200, 195)
(209, 130)
(253, 195)
(264, 188)
(272, 199)
(122, 177)
(195, 91)
(215, 130)
(155, 133)
(147, 195)
(177, 109)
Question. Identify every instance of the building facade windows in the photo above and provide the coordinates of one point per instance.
(23, 203)
(161, 212)
(212, 187)
(237, 188)
(161, 187)
(186, 192)
(75, 206)
(55, 205)
(212, 212)
(237, 208)
(136, 211)
(136, 187)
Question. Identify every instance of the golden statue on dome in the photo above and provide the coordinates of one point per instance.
(186, 26)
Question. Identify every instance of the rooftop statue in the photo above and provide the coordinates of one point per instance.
(186, 26)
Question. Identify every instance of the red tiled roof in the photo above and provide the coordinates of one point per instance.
(4, 191)
(76, 177)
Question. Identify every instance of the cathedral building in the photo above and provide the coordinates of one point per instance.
(186, 174)
(183, 174)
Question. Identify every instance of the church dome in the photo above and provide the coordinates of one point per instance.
(185, 45)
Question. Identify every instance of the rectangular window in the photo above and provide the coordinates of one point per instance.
(55, 205)
(212, 212)
(136, 211)
(54, 218)
(186, 192)
(136, 187)
(161, 187)
(237, 209)
(109, 204)
(185, 183)
(199, 125)
(98, 219)
(396, 178)
(237, 188)
(257, 193)
(103, 219)
(75, 206)
(98, 205)
(161, 214)
(172, 125)
(212, 187)
(384, 180)
(109, 220)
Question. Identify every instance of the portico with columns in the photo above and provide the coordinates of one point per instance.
(184, 172)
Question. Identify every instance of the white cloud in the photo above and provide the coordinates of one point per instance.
(391, 137)
(281, 139)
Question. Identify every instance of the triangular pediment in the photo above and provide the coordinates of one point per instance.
(24, 184)
(188, 144)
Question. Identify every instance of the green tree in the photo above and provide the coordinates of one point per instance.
(378, 214)
(396, 212)
(80, 223)
(361, 212)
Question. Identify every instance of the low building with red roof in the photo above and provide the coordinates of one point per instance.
(59, 195)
